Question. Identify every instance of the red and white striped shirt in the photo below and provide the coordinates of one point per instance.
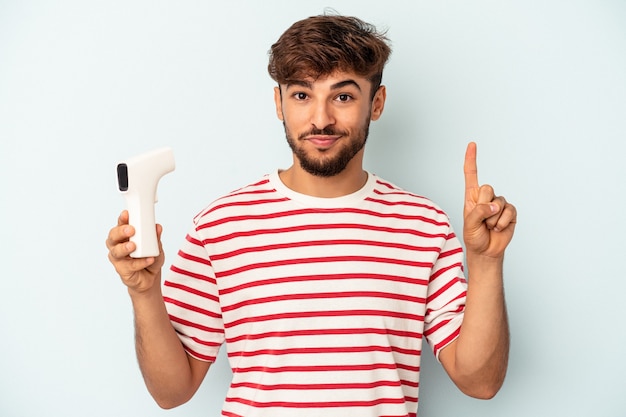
(323, 302)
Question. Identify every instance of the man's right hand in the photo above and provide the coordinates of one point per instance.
(140, 275)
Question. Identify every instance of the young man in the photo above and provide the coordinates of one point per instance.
(323, 279)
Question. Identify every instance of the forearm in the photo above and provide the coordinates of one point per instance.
(163, 361)
(481, 350)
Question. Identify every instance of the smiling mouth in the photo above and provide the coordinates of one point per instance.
(323, 141)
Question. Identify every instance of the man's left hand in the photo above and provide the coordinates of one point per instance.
(489, 221)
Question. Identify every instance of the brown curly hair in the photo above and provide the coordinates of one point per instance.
(320, 45)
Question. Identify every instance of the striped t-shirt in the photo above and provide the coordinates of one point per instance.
(323, 302)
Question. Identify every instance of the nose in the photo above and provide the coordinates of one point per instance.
(322, 115)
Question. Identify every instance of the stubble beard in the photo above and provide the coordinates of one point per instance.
(326, 165)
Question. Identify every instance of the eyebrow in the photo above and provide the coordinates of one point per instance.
(336, 86)
(342, 84)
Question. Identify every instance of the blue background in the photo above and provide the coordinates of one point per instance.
(540, 85)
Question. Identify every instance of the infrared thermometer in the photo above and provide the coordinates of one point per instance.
(137, 180)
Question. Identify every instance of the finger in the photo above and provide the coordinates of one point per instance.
(122, 250)
(475, 218)
(137, 264)
(470, 169)
(123, 218)
(127, 266)
(119, 255)
(507, 218)
(486, 194)
(492, 221)
(119, 234)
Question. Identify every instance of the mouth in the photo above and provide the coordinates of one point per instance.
(323, 141)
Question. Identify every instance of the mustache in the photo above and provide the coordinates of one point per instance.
(327, 131)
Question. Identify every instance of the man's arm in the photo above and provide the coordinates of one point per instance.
(477, 360)
(170, 374)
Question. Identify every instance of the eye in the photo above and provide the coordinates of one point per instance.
(300, 96)
(344, 98)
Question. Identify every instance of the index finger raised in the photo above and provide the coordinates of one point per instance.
(470, 169)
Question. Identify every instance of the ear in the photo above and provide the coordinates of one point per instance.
(278, 102)
(378, 102)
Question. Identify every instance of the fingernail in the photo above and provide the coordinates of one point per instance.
(493, 207)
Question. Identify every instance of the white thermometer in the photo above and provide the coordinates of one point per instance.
(137, 179)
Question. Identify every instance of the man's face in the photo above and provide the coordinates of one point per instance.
(327, 120)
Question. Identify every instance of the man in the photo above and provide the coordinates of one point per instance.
(323, 279)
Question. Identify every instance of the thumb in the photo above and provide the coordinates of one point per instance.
(476, 217)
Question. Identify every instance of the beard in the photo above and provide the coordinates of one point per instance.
(328, 165)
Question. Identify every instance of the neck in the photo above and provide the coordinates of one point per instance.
(349, 181)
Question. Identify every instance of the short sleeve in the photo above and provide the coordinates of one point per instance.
(445, 302)
(192, 300)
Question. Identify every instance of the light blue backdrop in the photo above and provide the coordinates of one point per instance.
(540, 85)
